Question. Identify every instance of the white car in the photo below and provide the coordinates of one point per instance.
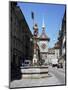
(26, 63)
(54, 62)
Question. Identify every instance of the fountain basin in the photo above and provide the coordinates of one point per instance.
(34, 71)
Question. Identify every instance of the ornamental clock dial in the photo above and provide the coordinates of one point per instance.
(43, 46)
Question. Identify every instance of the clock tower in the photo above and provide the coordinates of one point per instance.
(43, 44)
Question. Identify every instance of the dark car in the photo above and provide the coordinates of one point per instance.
(60, 65)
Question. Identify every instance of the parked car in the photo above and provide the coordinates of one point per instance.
(26, 63)
(54, 62)
(60, 65)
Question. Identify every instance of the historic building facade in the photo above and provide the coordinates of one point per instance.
(62, 41)
(20, 44)
(56, 48)
(53, 53)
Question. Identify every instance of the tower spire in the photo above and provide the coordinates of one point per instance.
(43, 34)
(43, 25)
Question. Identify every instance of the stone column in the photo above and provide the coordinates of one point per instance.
(35, 55)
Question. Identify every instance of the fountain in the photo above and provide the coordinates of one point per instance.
(36, 70)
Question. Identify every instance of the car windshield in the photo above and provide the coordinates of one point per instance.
(26, 62)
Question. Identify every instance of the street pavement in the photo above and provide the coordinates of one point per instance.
(56, 77)
(58, 73)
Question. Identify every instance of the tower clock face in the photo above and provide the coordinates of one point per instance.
(43, 46)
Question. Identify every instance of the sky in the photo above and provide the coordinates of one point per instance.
(52, 15)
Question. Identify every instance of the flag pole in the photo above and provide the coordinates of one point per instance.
(33, 18)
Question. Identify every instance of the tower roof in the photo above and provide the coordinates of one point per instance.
(57, 45)
(43, 35)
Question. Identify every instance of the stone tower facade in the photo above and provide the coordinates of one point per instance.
(43, 41)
